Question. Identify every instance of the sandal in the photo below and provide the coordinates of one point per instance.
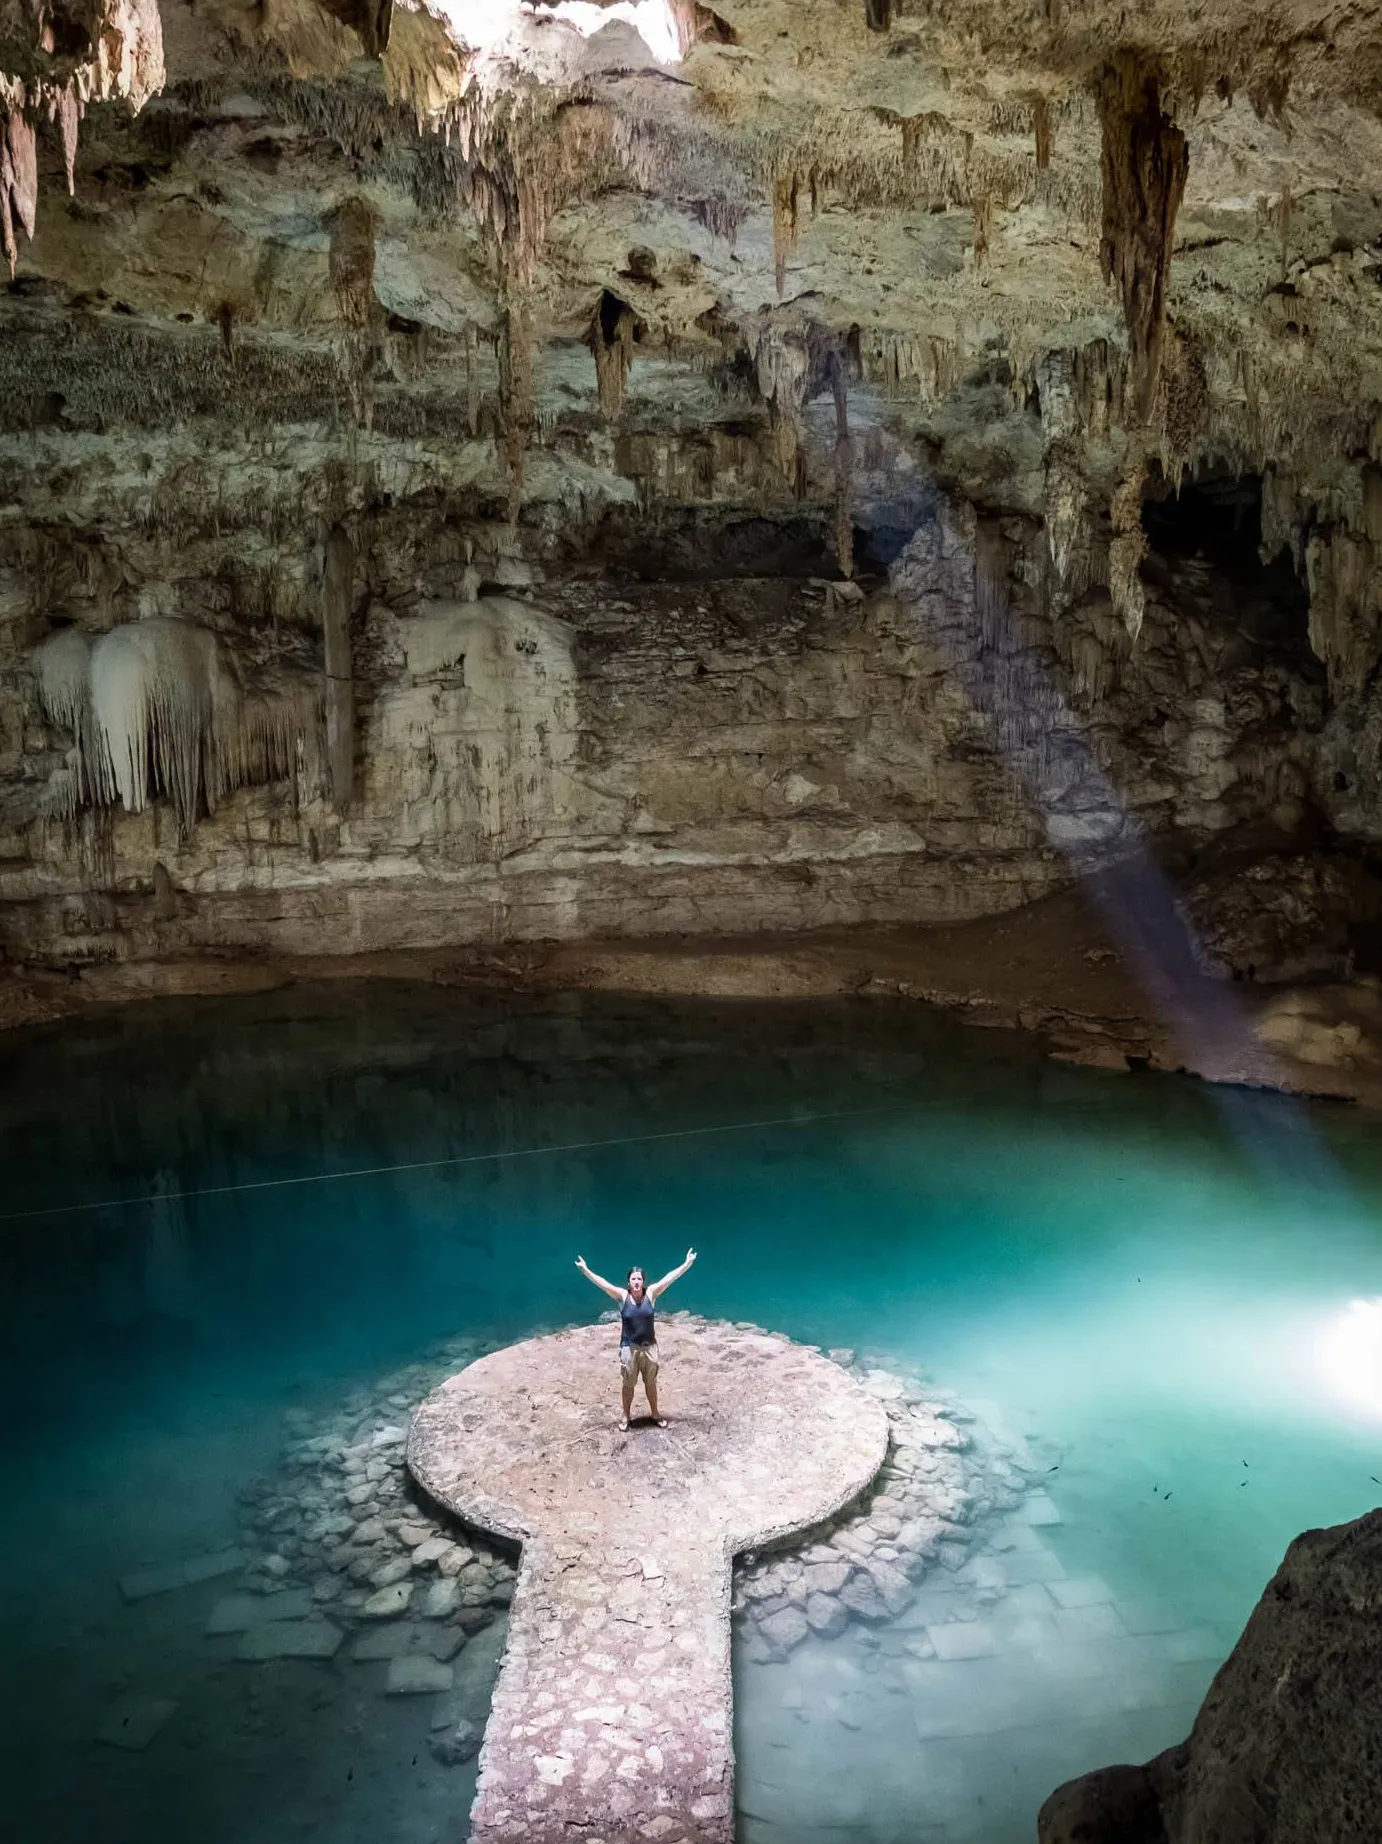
(624, 1424)
(660, 1421)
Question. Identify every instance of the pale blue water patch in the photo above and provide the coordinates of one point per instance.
(1097, 1265)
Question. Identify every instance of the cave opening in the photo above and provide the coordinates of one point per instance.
(1216, 520)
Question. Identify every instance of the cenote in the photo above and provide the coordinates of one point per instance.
(1147, 1282)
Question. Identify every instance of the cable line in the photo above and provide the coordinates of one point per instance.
(425, 1165)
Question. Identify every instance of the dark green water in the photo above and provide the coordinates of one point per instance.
(1151, 1280)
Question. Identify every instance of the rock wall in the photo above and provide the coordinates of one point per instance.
(738, 478)
(1284, 1748)
(588, 753)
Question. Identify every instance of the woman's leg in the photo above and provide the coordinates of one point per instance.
(628, 1373)
(649, 1368)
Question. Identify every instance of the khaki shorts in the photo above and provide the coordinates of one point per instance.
(638, 1361)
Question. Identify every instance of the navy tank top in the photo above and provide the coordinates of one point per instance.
(637, 1319)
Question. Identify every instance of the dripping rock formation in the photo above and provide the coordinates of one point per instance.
(481, 473)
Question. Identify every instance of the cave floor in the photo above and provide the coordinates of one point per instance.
(612, 1714)
(1067, 967)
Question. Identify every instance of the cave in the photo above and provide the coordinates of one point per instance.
(1217, 520)
(743, 639)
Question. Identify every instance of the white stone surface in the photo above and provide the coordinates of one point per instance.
(612, 1710)
(290, 1639)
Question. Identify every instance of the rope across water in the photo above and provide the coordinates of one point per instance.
(426, 1165)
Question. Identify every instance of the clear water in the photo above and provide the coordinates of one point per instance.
(1149, 1279)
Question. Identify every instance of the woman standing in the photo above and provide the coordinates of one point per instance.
(637, 1338)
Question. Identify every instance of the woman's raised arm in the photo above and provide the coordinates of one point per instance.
(667, 1279)
(615, 1293)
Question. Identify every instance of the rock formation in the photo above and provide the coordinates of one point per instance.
(1284, 1748)
(738, 468)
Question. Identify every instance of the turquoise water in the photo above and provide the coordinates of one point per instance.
(1148, 1280)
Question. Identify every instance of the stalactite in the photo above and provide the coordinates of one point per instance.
(62, 669)
(523, 153)
(372, 19)
(1069, 527)
(1281, 522)
(936, 158)
(18, 180)
(338, 593)
(720, 216)
(351, 261)
(1281, 214)
(515, 396)
(115, 50)
(983, 220)
(351, 266)
(1342, 571)
(66, 109)
(1372, 502)
(1043, 132)
(157, 706)
(697, 24)
(1128, 548)
(784, 432)
(786, 202)
(844, 469)
(610, 338)
(472, 378)
(784, 367)
(1144, 161)
(991, 569)
(1184, 407)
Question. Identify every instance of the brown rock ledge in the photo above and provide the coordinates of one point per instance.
(1050, 967)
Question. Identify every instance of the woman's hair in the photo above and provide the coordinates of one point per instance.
(632, 1271)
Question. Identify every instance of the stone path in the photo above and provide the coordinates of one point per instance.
(611, 1720)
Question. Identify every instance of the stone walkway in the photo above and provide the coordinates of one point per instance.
(611, 1720)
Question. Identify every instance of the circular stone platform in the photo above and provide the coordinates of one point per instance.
(611, 1718)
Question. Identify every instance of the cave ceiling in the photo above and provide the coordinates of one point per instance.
(276, 263)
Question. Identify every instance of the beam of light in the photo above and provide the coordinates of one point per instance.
(1350, 1354)
(1032, 728)
(490, 25)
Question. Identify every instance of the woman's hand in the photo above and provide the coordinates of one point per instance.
(580, 1263)
(690, 1256)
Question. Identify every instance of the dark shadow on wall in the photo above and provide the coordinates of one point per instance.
(1215, 524)
(705, 543)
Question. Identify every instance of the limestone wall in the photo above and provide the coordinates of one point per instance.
(580, 755)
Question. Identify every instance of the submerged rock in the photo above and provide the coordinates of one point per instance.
(862, 1599)
(391, 1640)
(826, 1615)
(785, 1628)
(414, 1675)
(388, 1602)
(289, 1639)
(440, 1600)
(134, 1721)
(457, 1744)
